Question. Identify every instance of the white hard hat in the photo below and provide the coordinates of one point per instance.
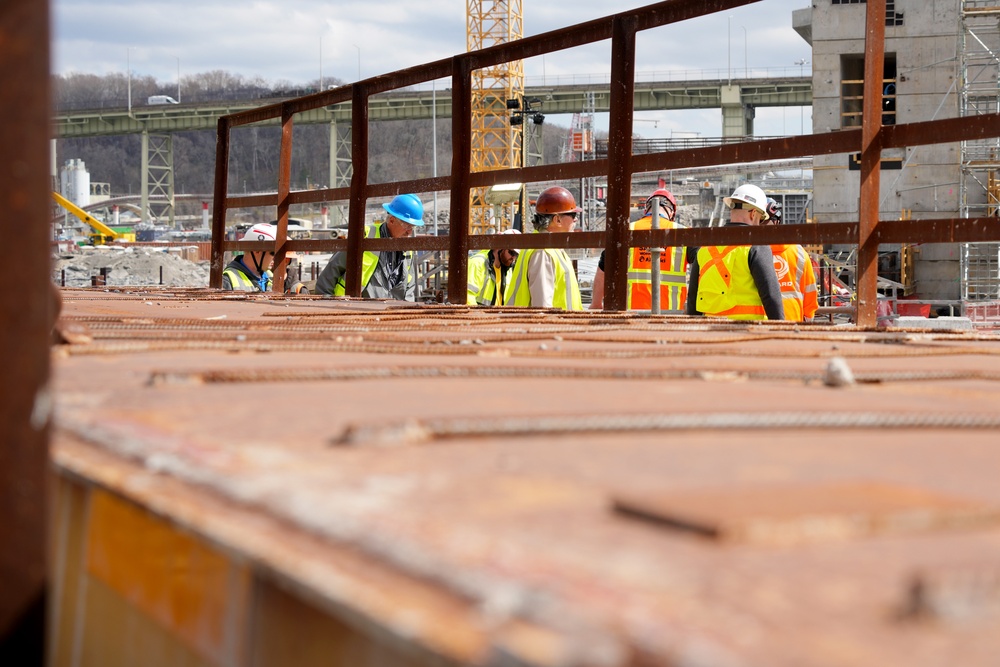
(749, 194)
(511, 231)
(262, 231)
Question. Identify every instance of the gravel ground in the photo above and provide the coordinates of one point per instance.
(128, 266)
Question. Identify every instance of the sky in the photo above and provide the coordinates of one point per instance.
(300, 41)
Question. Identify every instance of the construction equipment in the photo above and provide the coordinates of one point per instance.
(103, 234)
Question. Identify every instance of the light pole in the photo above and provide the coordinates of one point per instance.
(802, 62)
(518, 115)
(746, 66)
(359, 61)
(321, 62)
(729, 51)
(177, 58)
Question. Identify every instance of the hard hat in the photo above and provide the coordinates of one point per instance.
(556, 200)
(773, 210)
(407, 208)
(262, 231)
(749, 194)
(511, 231)
(667, 196)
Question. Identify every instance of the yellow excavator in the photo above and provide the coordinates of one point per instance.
(102, 235)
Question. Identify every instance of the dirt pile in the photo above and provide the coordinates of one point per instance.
(129, 266)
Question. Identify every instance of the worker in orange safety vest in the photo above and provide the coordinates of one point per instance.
(796, 276)
(673, 265)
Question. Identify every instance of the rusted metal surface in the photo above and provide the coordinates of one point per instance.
(443, 480)
(26, 311)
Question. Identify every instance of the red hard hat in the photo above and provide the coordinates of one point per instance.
(556, 200)
(665, 194)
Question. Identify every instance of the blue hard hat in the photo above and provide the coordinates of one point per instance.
(407, 208)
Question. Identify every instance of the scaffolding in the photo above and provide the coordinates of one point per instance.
(580, 146)
(496, 144)
(979, 51)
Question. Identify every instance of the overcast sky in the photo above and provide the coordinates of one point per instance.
(298, 41)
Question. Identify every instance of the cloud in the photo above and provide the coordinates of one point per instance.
(282, 40)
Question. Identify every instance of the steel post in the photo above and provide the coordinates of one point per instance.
(26, 310)
(871, 155)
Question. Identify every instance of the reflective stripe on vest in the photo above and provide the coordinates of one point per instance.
(369, 261)
(725, 285)
(482, 285)
(241, 282)
(798, 292)
(566, 292)
(673, 275)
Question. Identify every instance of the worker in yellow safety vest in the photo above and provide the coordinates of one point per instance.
(240, 276)
(544, 277)
(385, 274)
(673, 264)
(795, 273)
(488, 271)
(737, 282)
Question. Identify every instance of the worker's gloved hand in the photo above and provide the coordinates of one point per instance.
(264, 282)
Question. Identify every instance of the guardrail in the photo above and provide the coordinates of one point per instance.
(618, 167)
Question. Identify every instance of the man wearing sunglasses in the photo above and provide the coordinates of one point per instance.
(544, 277)
(488, 270)
(737, 282)
(385, 274)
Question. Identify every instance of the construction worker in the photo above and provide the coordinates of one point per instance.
(385, 274)
(239, 276)
(544, 277)
(488, 271)
(795, 273)
(737, 282)
(673, 264)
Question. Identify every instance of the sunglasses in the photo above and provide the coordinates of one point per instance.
(571, 214)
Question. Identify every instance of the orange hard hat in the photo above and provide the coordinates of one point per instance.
(556, 200)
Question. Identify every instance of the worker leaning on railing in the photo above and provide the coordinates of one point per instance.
(737, 282)
(385, 274)
(544, 277)
(241, 277)
(488, 271)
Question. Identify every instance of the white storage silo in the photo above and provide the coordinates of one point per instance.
(74, 180)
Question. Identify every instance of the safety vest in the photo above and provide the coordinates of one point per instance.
(725, 285)
(241, 282)
(797, 281)
(566, 294)
(482, 285)
(673, 274)
(369, 260)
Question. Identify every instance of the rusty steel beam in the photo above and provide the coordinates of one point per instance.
(619, 162)
(219, 202)
(284, 186)
(461, 163)
(871, 156)
(26, 310)
(359, 183)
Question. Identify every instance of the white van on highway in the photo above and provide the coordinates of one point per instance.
(161, 99)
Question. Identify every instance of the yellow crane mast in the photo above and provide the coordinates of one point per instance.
(496, 144)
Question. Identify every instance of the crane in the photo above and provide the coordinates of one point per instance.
(102, 233)
(496, 142)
